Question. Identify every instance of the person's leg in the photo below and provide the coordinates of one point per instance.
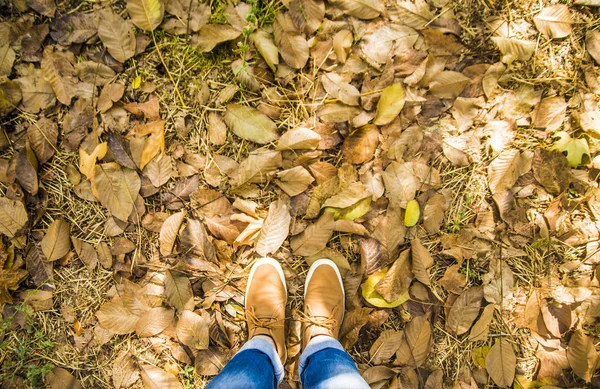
(259, 364)
(255, 366)
(325, 365)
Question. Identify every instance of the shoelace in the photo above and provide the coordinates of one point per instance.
(268, 323)
(328, 323)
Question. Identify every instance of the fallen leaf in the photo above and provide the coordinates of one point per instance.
(115, 317)
(266, 47)
(577, 151)
(421, 261)
(178, 290)
(58, 70)
(554, 21)
(60, 378)
(501, 363)
(217, 130)
(498, 282)
(551, 170)
(298, 139)
(43, 7)
(94, 73)
(506, 168)
(125, 372)
(146, 14)
(582, 355)
(374, 298)
(314, 238)
(412, 213)
(154, 321)
(43, 138)
(390, 104)
(259, 165)
(480, 329)
(337, 112)
(159, 170)
(7, 58)
(26, 169)
(433, 213)
(396, 281)
(448, 84)
(87, 162)
(385, 346)
(13, 216)
(307, 14)
(275, 229)
(37, 93)
(360, 145)
(339, 89)
(116, 189)
(294, 181)
(592, 44)
(86, 253)
(293, 47)
(514, 49)
(211, 35)
(250, 124)
(362, 9)
(77, 27)
(549, 114)
(57, 241)
(464, 311)
(169, 231)
(417, 342)
(156, 378)
(192, 330)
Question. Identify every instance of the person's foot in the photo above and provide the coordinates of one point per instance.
(323, 301)
(266, 297)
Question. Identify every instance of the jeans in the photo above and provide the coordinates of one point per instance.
(323, 365)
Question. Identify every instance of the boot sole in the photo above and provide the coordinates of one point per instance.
(327, 262)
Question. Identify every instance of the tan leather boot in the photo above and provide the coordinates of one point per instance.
(266, 297)
(323, 301)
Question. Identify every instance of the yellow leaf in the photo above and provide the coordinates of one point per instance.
(479, 354)
(137, 82)
(87, 162)
(390, 104)
(146, 14)
(577, 151)
(413, 212)
(374, 298)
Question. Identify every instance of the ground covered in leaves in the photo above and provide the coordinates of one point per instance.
(442, 153)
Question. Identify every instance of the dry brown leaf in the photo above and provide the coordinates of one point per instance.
(337, 112)
(58, 70)
(362, 9)
(552, 363)
(360, 145)
(117, 35)
(292, 45)
(416, 343)
(178, 290)
(26, 169)
(402, 180)
(421, 261)
(504, 171)
(154, 321)
(116, 189)
(43, 137)
(86, 253)
(94, 73)
(397, 280)
(514, 49)
(342, 42)
(7, 58)
(37, 93)
(307, 14)
(159, 170)
(194, 241)
(453, 281)
(298, 139)
(294, 181)
(592, 44)
(554, 21)
(433, 213)
(448, 84)
(385, 346)
(259, 165)
(125, 372)
(266, 47)
(338, 258)
(57, 241)
(87, 162)
(501, 363)
(551, 170)
(482, 326)
(250, 124)
(314, 238)
(211, 35)
(60, 378)
(13, 216)
(339, 89)
(498, 283)
(390, 232)
(115, 317)
(371, 256)
(582, 355)
(169, 231)
(156, 378)
(275, 228)
(192, 330)
(549, 114)
(146, 14)
(464, 311)
(217, 130)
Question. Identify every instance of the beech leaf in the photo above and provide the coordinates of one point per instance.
(250, 124)
(501, 363)
(275, 228)
(169, 231)
(390, 104)
(57, 241)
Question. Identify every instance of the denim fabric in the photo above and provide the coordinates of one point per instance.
(323, 365)
(254, 366)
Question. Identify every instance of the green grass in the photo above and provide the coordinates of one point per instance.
(23, 350)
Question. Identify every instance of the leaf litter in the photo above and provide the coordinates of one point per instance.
(174, 143)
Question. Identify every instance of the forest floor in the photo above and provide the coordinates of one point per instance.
(442, 153)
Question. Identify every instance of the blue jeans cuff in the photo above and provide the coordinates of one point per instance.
(316, 344)
(267, 348)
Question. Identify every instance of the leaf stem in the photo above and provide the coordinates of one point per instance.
(167, 69)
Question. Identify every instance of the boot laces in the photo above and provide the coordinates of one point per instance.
(328, 323)
(262, 322)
